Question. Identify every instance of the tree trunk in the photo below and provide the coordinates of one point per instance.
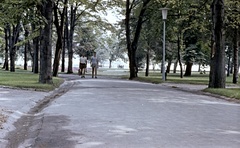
(59, 24)
(169, 66)
(175, 66)
(110, 63)
(132, 45)
(35, 51)
(7, 34)
(229, 62)
(65, 36)
(73, 20)
(133, 66)
(179, 55)
(63, 55)
(188, 71)
(57, 55)
(128, 38)
(13, 40)
(199, 67)
(235, 56)
(26, 49)
(45, 76)
(25, 56)
(64, 46)
(147, 62)
(35, 54)
(217, 75)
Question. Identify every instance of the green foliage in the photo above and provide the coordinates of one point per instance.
(232, 9)
(194, 54)
(14, 10)
(91, 27)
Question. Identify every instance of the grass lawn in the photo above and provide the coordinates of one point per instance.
(196, 78)
(227, 92)
(25, 79)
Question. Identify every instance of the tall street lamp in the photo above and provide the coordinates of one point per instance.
(164, 17)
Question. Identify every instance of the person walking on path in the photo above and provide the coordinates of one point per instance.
(82, 65)
(94, 64)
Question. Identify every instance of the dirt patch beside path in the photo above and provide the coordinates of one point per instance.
(3, 119)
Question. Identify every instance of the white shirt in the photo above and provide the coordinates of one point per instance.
(83, 60)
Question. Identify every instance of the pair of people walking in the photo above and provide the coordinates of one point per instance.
(83, 65)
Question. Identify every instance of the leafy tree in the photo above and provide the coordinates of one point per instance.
(233, 32)
(195, 29)
(132, 42)
(14, 18)
(111, 49)
(83, 14)
(13, 28)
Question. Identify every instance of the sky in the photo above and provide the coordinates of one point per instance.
(112, 16)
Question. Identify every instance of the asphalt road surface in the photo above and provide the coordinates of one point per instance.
(112, 113)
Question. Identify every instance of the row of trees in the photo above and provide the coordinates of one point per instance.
(197, 32)
(68, 26)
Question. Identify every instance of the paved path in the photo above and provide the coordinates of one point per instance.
(14, 103)
(103, 113)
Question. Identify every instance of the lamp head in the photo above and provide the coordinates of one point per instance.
(164, 13)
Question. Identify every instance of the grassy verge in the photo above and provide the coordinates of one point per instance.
(197, 79)
(25, 79)
(227, 92)
(155, 77)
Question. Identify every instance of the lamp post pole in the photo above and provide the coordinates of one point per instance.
(163, 52)
(164, 16)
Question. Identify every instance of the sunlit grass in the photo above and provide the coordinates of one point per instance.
(25, 79)
(195, 78)
(228, 92)
(156, 77)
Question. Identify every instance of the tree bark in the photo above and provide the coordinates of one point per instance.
(235, 56)
(26, 49)
(147, 62)
(217, 75)
(229, 61)
(188, 71)
(110, 63)
(45, 76)
(175, 66)
(59, 24)
(35, 52)
(169, 66)
(7, 34)
(36, 55)
(128, 38)
(64, 43)
(73, 20)
(13, 40)
(179, 55)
